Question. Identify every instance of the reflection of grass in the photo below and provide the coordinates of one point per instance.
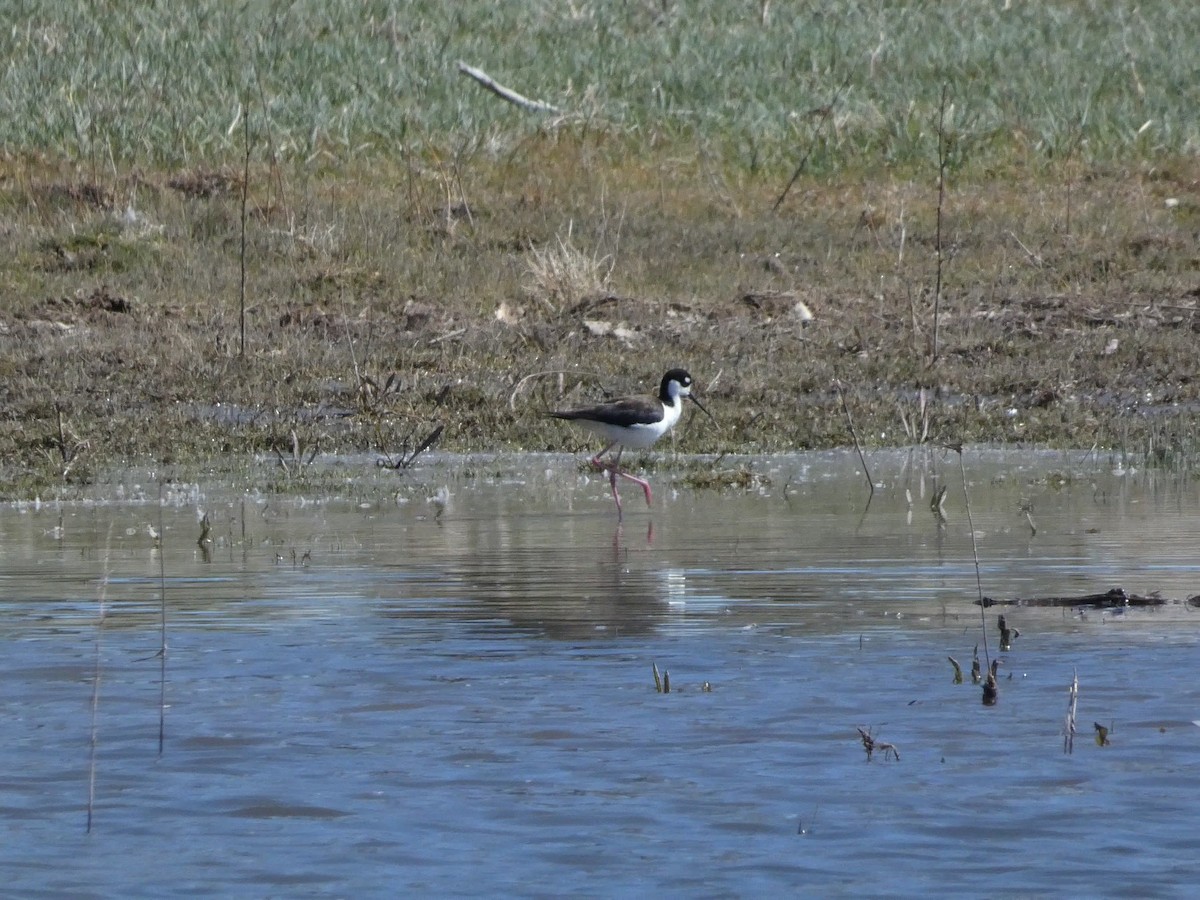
(391, 212)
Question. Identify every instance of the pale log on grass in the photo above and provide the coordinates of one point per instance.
(506, 93)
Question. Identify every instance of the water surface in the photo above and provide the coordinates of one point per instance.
(443, 684)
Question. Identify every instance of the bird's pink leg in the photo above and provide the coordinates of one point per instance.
(643, 482)
(612, 483)
(595, 461)
(613, 468)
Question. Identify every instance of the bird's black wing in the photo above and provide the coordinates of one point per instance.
(624, 412)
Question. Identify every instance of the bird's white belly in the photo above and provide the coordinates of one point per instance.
(635, 437)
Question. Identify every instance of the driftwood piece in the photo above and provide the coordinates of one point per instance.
(506, 93)
(1114, 598)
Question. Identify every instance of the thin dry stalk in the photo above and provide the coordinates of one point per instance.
(558, 373)
(242, 251)
(824, 113)
(943, 162)
(854, 434)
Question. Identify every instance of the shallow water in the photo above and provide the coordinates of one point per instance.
(443, 685)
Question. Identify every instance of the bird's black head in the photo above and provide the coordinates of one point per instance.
(679, 377)
(678, 383)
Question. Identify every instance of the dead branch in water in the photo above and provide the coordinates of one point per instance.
(991, 690)
(662, 683)
(1113, 598)
(870, 745)
(1007, 635)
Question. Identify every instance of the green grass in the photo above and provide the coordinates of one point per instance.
(124, 83)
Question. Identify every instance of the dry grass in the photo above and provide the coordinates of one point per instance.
(122, 323)
(562, 276)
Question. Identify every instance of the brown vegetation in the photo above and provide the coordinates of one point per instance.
(1068, 309)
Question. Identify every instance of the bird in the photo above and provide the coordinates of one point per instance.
(634, 422)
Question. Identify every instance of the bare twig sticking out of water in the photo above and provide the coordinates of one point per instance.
(405, 460)
(94, 731)
(1069, 725)
(1007, 635)
(962, 468)
(991, 690)
(298, 460)
(204, 542)
(870, 745)
(662, 683)
(854, 434)
(812, 822)
(916, 429)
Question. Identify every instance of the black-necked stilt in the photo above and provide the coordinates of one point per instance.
(634, 422)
